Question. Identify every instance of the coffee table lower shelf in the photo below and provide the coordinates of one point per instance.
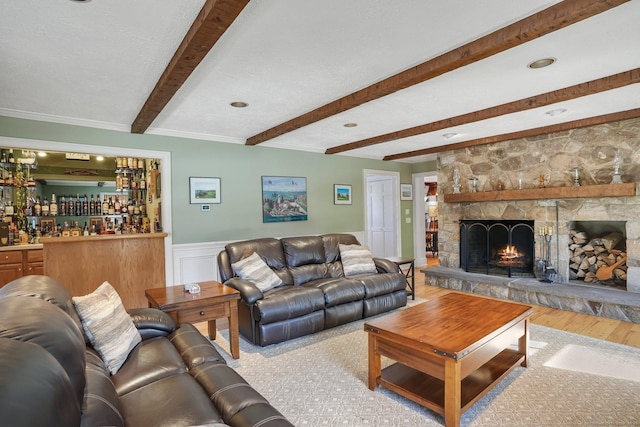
(428, 391)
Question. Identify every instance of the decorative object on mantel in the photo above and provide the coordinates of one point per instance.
(542, 181)
(456, 181)
(520, 180)
(575, 174)
(617, 161)
(474, 184)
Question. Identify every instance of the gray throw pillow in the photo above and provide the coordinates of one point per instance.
(107, 325)
(356, 259)
(254, 269)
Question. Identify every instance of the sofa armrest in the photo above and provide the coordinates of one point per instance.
(152, 322)
(249, 292)
(385, 266)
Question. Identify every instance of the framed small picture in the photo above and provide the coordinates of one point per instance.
(95, 224)
(46, 225)
(341, 194)
(406, 192)
(204, 190)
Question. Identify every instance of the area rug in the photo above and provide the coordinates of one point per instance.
(321, 380)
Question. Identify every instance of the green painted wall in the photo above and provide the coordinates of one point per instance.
(240, 168)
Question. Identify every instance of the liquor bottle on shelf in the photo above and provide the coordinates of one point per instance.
(75, 229)
(105, 207)
(85, 205)
(85, 230)
(143, 181)
(111, 208)
(92, 206)
(66, 231)
(44, 207)
(118, 182)
(3, 157)
(116, 205)
(62, 208)
(37, 208)
(125, 181)
(11, 159)
(78, 205)
(53, 206)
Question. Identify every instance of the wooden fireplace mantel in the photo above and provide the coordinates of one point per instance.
(587, 191)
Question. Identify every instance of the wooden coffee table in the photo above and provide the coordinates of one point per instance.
(450, 351)
(214, 301)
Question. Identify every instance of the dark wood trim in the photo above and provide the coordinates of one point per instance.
(212, 21)
(560, 127)
(586, 191)
(556, 17)
(572, 92)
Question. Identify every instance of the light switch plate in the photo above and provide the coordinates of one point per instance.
(205, 208)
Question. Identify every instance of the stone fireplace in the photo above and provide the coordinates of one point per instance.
(519, 164)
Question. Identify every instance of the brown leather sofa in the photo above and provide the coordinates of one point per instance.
(49, 376)
(315, 294)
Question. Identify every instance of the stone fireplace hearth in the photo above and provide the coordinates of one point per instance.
(520, 164)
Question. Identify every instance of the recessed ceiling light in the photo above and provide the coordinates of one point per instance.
(99, 158)
(350, 125)
(239, 104)
(42, 154)
(541, 63)
(556, 112)
(450, 135)
(81, 1)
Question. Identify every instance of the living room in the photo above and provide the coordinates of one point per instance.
(196, 148)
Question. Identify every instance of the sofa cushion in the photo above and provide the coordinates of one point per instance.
(332, 242)
(152, 360)
(305, 258)
(107, 324)
(101, 403)
(381, 284)
(269, 249)
(34, 388)
(37, 321)
(288, 302)
(356, 260)
(338, 291)
(174, 401)
(254, 269)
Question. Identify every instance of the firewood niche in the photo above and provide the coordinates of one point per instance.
(585, 191)
(597, 259)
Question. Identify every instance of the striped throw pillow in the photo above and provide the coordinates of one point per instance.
(107, 325)
(356, 259)
(254, 269)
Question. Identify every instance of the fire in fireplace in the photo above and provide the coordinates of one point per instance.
(497, 247)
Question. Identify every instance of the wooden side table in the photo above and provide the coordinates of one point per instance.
(408, 263)
(213, 302)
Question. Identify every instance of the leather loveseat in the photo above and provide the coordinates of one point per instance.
(314, 294)
(49, 376)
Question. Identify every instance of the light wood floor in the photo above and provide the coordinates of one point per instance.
(593, 326)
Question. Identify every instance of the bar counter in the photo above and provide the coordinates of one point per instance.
(130, 262)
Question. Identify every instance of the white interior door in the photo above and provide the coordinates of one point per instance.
(382, 230)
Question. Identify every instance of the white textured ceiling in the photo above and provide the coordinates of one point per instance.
(95, 63)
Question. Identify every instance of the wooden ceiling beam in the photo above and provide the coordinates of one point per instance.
(556, 17)
(212, 21)
(572, 92)
(560, 127)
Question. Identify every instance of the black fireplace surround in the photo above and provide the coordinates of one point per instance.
(497, 247)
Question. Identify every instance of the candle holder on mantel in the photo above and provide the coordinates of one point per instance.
(617, 161)
(456, 181)
(575, 174)
(474, 184)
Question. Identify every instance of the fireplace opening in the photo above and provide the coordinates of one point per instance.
(497, 247)
(598, 252)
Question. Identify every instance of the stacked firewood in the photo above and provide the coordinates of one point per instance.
(587, 255)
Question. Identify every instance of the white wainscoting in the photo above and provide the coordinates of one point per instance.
(197, 262)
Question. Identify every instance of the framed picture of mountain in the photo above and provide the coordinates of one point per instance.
(204, 190)
(341, 194)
